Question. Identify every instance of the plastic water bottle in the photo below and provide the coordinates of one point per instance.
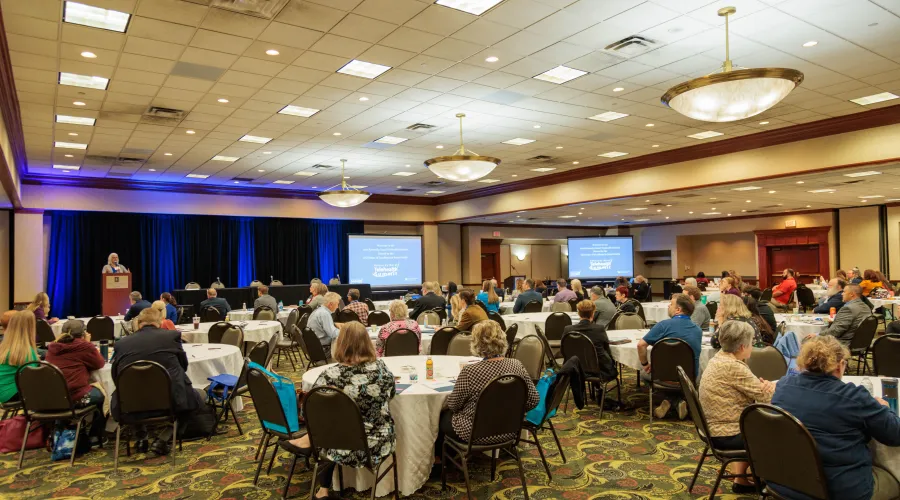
(413, 376)
(280, 305)
(244, 306)
(104, 349)
(868, 385)
(712, 328)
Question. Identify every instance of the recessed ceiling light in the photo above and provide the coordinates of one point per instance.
(863, 174)
(811, 43)
(747, 201)
(743, 210)
(197, 176)
(153, 170)
(189, 132)
(864, 201)
(363, 69)
(826, 190)
(73, 134)
(223, 100)
(613, 154)
(439, 146)
(272, 52)
(567, 216)
(88, 55)
(261, 170)
(799, 182)
(746, 188)
(872, 196)
(559, 147)
(298, 111)
(636, 209)
(667, 218)
(574, 163)
(363, 98)
(537, 126)
(713, 208)
(306, 173)
(543, 169)
(283, 182)
(78, 103)
(388, 139)
(434, 192)
(771, 192)
(713, 198)
(167, 154)
(67, 167)
(690, 212)
(336, 134)
(75, 120)
(808, 206)
(618, 89)
(489, 181)
(560, 74)
(712, 213)
(95, 17)
(256, 139)
(88, 82)
(655, 146)
(518, 141)
(763, 123)
(649, 125)
(237, 182)
(514, 175)
(69, 156)
(70, 145)
(608, 116)
(658, 210)
(225, 158)
(872, 99)
(267, 152)
(491, 59)
(641, 220)
(705, 135)
(404, 174)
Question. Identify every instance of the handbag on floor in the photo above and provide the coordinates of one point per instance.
(11, 431)
(287, 395)
(64, 441)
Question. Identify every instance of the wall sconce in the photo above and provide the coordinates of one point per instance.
(520, 255)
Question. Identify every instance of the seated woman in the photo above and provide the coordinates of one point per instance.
(75, 355)
(641, 290)
(399, 319)
(765, 330)
(40, 306)
(727, 285)
(622, 301)
(726, 388)
(166, 323)
(701, 278)
(171, 310)
(16, 349)
(842, 418)
(489, 343)
(357, 366)
(578, 289)
(472, 314)
(732, 308)
(488, 296)
(597, 335)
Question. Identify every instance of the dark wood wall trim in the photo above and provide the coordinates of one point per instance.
(12, 119)
(531, 226)
(766, 238)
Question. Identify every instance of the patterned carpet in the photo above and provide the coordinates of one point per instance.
(619, 457)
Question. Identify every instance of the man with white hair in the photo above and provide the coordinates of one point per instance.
(429, 300)
(604, 307)
(321, 321)
(834, 297)
(138, 304)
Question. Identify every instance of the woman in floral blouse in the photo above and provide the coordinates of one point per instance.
(399, 319)
(370, 383)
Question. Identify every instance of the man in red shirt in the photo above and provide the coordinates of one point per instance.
(782, 293)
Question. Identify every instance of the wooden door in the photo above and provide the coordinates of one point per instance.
(488, 267)
(803, 259)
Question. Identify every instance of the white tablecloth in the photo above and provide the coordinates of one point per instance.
(656, 311)
(247, 315)
(886, 457)
(712, 295)
(382, 305)
(507, 307)
(204, 360)
(416, 412)
(803, 324)
(427, 334)
(527, 322)
(627, 353)
(254, 331)
(117, 321)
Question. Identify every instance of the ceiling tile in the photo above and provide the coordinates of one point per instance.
(340, 46)
(363, 28)
(392, 11)
(291, 36)
(440, 20)
(212, 40)
(310, 15)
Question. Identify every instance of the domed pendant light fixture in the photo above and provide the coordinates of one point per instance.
(464, 165)
(732, 94)
(344, 197)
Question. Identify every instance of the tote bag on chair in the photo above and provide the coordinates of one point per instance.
(287, 395)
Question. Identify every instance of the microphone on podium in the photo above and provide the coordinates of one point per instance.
(339, 278)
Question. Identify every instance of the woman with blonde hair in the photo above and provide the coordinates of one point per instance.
(40, 306)
(488, 296)
(165, 323)
(842, 418)
(369, 382)
(16, 349)
(399, 320)
(113, 266)
(732, 307)
(578, 289)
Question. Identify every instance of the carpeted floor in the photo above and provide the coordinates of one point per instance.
(619, 457)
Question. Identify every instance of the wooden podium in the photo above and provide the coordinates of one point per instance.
(116, 293)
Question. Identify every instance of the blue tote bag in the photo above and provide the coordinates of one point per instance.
(287, 394)
(536, 414)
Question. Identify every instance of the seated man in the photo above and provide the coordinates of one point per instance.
(604, 309)
(765, 311)
(265, 299)
(138, 304)
(783, 293)
(597, 335)
(360, 308)
(833, 298)
(563, 294)
(855, 276)
(429, 301)
(527, 295)
(213, 300)
(701, 315)
(322, 323)
(641, 289)
(152, 343)
(678, 326)
(847, 320)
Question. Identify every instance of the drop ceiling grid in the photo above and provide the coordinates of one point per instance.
(502, 101)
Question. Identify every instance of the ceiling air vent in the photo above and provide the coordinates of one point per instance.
(266, 9)
(100, 160)
(162, 116)
(853, 181)
(540, 158)
(405, 190)
(631, 46)
(688, 195)
(243, 179)
(129, 162)
(320, 166)
(771, 206)
(421, 126)
(433, 183)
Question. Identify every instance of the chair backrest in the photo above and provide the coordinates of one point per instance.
(530, 352)
(411, 304)
(560, 307)
(500, 409)
(301, 323)
(555, 324)
(511, 333)
(441, 312)
(767, 363)
(713, 308)
(42, 388)
(440, 342)
(782, 451)
(273, 344)
(144, 386)
(805, 297)
(573, 305)
(346, 316)
(101, 328)
(865, 332)
(305, 309)
(548, 350)
(265, 399)
(429, 317)
(210, 313)
(370, 304)
(217, 284)
(192, 286)
(256, 283)
(495, 316)
(260, 353)
(535, 306)
(702, 286)
(314, 348)
(692, 398)
(667, 355)
(276, 283)
(233, 336)
(576, 345)
(561, 385)
(766, 295)
(292, 317)
(379, 318)
(44, 333)
(886, 355)
(402, 342)
(214, 336)
(460, 345)
(264, 313)
(482, 305)
(180, 317)
(334, 421)
(628, 321)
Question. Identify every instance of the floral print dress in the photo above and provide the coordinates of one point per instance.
(371, 385)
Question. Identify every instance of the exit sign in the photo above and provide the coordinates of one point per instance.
(790, 223)
(496, 233)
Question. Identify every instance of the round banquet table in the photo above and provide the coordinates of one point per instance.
(117, 321)
(416, 411)
(507, 307)
(712, 296)
(627, 355)
(247, 314)
(883, 456)
(427, 334)
(656, 311)
(803, 324)
(383, 305)
(527, 322)
(204, 360)
(254, 331)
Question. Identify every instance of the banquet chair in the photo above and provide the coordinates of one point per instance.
(560, 307)
(411, 304)
(713, 308)
(499, 412)
(334, 421)
(428, 318)
(101, 328)
(232, 336)
(692, 398)
(314, 348)
(805, 298)
(345, 316)
(45, 398)
(401, 342)
(440, 342)
(142, 388)
(702, 286)
(554, 325)
(255, 283)
(193, 285)
(627, 321)
(861, 342)
(782, 451)
(886, 356)
(217, 284)
(273, 344)
(214, 336)
(379, 318)
(304, 309)
(666, 357)
(560, 387)
(548, 351)
(292, 318)
(210, 313)
(767, 363)
(45, 333)
(482, 305)
(301, 323)
(370, 304)
(529, 350)
(442, 313)
(264, 313)
(573, 305)
(180, 318)
(257, 355)
(270, 413)
(289, 346)
(576, 345)
(495, 316)
(535, 306)
(460, 345)
(766, 295)
(511, 334)
(276, 283)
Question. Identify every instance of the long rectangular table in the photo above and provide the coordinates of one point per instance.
(289, 294)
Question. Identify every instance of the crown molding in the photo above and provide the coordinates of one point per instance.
(12, 119)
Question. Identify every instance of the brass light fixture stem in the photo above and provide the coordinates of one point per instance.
(343, 180)
(462, 147)
(725, 12)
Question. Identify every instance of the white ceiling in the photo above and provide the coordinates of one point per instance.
(439, 69)
(790, 194)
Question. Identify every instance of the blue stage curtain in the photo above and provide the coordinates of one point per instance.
(165, 252)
